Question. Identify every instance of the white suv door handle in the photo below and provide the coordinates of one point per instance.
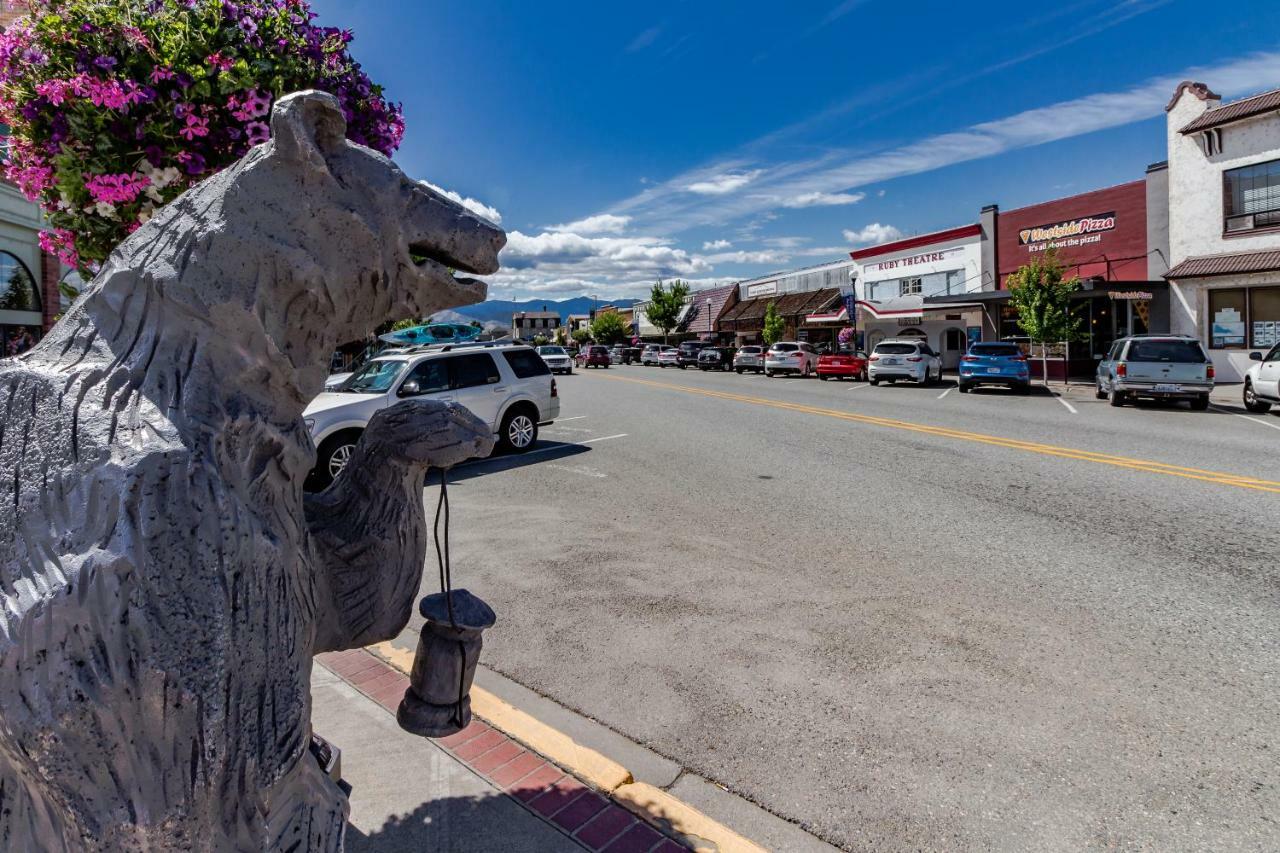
(500, 390)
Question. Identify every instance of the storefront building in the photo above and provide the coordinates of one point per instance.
(1106, 239)
(1224, 223)
(29, 297)
(895, 282)
(811, 302)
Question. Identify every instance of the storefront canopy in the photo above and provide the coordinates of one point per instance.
(911, 307)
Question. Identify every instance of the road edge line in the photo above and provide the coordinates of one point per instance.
(656, 807)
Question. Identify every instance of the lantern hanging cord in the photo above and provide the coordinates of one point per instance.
(446, 586)
(442, 555)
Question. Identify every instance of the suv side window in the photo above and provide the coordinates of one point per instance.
(473, 369)
(525, 363)
(432, 376)
(1274, 355)
(1115, 351)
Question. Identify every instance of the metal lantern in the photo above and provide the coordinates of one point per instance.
(438, 701)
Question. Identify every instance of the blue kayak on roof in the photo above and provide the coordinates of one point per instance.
(433, 333)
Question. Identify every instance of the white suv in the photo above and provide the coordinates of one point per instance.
(508, 387)
(1262, 382)
(911, 359)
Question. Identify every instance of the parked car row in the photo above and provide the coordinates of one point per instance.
(1157, 367)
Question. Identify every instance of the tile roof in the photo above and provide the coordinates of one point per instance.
(698, 320)
(789, 305)
(1235, 111)
(1230, 264)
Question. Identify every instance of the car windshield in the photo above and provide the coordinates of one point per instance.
(1174, 352)
(374, 378)
(895, 349)
(785, 347)
(599, 350)
(994, 349)
(750, 350)
(551, 351)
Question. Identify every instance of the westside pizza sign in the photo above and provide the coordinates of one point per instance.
(1073, 232)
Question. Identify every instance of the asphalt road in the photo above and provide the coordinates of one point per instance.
(903, 618)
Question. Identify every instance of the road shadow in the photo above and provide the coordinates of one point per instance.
(491, 824)
(543, 451)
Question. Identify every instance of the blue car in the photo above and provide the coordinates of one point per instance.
(994, 364)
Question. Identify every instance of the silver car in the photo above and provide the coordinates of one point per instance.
(1262, 382)
(790, 357)
(649, 355)
(908, 359)
(1158, 367)
(749, 358)
(557, 358)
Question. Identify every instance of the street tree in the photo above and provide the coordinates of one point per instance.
(774, 326)
(115, 107)
(541, 340)
(1042, 297)
(665, 304)
(581, 337)
(608, 328)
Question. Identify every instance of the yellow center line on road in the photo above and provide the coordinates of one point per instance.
(1148, 466)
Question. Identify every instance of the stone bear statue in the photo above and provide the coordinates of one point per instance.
(164, 583)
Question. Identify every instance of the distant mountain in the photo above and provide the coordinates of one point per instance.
(500, 310)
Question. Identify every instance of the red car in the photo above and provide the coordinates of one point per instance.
(594, 356)
(846, 362)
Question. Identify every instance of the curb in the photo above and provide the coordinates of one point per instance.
(655, 807)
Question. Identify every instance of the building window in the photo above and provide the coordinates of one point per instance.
(1227, 318)
(909, 286)
(18, 291)
(1251, 197)
(1264, 317)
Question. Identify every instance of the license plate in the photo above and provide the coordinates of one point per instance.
(1168, 389)
(993, 370)
(892, 361)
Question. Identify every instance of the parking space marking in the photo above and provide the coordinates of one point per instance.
(581, 470)
(604, 438)
(1070, 408)
(1133, 464)
(946, 392)
(1246, 417)
(574, 418)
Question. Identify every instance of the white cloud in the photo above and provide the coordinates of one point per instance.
(644, 39)
(723, 183)
(821, 199)
(760, 257)
(604, 223)
(672, 205)
(479, 208)
(716, 245)
(873, 235)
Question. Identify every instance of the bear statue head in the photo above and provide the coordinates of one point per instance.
(307, 242)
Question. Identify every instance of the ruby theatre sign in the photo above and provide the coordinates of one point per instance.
(1073, 232)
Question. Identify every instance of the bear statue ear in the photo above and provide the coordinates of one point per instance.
(306, 126)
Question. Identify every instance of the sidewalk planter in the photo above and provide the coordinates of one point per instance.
(438, 701)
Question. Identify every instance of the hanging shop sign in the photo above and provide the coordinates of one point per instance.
(1073, 232)
(1131, 294)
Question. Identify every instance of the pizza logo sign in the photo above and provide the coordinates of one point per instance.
(1073, 232)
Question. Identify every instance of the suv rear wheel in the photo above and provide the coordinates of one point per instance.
(519, 431)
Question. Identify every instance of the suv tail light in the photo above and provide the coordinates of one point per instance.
(915, 358)
(1022, 356)
(1208, 370)
(969, 358)
(1122, 369)
(554, 392)
(875, 357)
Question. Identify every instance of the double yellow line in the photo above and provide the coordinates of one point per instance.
(995, 440)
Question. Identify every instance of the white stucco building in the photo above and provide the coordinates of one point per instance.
(1224, 223)
(893, 280)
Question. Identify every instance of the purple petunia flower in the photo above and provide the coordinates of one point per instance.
(258, 132)
(106, 63)
(193, 163)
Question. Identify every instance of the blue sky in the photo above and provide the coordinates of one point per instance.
(714, 141)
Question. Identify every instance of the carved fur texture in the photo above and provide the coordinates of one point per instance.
(163, 582)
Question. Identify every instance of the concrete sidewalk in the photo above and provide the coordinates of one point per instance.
(409, 794)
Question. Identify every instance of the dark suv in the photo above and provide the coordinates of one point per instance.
(687, 355)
